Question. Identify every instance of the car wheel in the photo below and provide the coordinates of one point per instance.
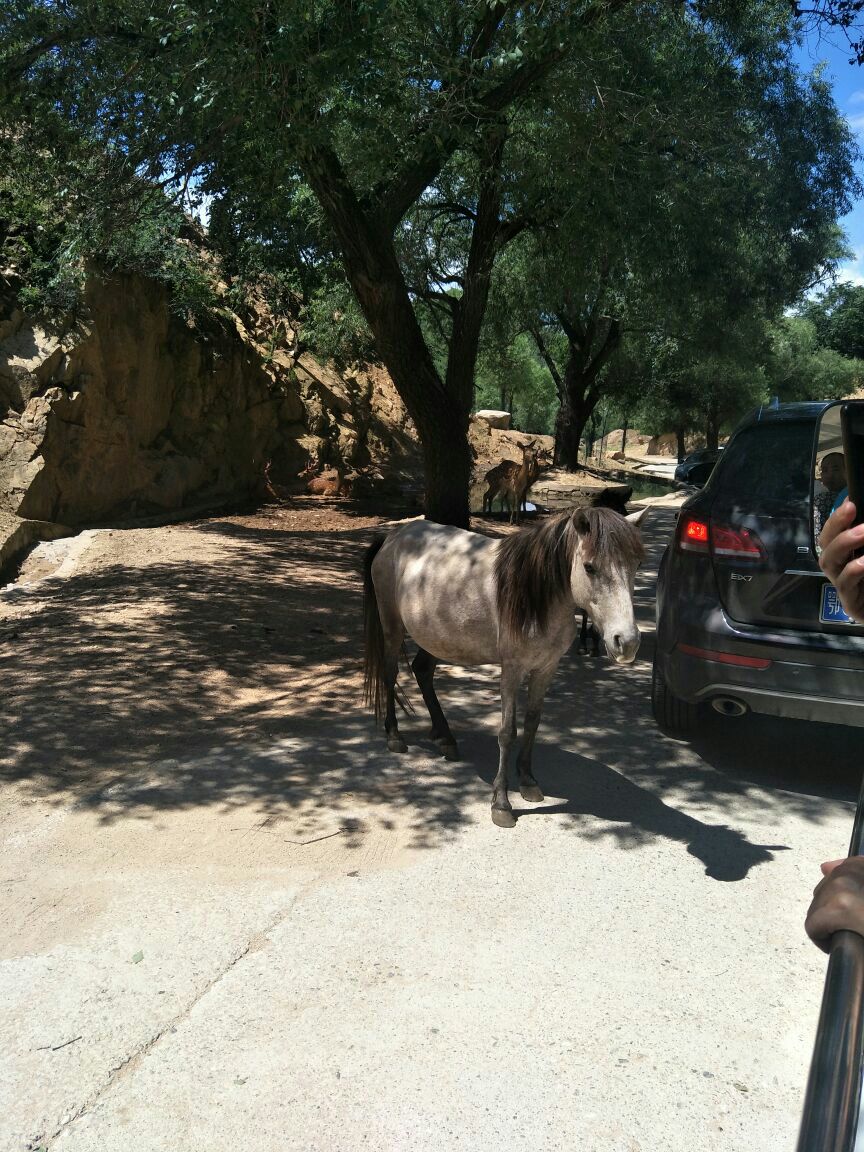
(672, 714)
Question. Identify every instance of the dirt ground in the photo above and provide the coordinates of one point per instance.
(128, 650)
(228, 911)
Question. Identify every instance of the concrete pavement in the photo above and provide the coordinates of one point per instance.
(287, 938)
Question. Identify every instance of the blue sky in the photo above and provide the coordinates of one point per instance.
(848, 83)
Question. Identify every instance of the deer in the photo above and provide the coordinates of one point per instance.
(510, 482)
(329, 482)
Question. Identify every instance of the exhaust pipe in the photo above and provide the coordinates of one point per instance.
(728, 706)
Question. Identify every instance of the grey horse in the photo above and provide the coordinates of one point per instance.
(467, 599)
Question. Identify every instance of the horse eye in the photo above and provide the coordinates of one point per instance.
(590, 569)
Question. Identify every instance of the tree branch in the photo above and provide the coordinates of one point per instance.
(546, 357)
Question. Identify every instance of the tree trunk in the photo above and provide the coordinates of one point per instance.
(439, 408)
(447, 465)
(712, 429)
(589, 347)
(373, 271)
(682, 451)
(568, 433)
(624, 435)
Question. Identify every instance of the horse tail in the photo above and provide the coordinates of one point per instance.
(374, 685)
(373, 636)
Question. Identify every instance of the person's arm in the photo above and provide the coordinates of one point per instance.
(838, 901)
(838, 541)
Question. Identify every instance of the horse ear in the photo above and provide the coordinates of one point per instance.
(637, 517)
(581, 522)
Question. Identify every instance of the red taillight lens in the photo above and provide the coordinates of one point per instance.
(732, 543)
(693, 535)
(736, 543)
(724, 657)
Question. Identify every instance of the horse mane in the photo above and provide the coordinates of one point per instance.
(532, 568)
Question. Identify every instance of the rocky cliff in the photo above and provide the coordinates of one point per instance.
(128, 411)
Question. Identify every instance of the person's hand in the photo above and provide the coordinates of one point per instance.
(838, 541)
(838, 901)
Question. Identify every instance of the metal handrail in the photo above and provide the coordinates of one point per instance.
(833, 1098)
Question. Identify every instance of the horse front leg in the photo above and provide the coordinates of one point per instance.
(502, 811)
(538, 682)
(423, 666)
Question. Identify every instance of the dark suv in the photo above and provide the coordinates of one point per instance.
(697, 467)
(745, 618)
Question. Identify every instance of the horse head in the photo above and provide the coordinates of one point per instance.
(608, 551)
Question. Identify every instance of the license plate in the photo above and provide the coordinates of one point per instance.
(832, 610)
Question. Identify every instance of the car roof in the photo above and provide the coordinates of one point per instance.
(773, 413)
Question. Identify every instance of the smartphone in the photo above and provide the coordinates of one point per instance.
(852, 426)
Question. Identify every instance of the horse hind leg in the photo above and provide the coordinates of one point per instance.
(423, 667)
(395, 743)
(393, 634)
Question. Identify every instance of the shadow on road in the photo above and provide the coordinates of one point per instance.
(235, 680)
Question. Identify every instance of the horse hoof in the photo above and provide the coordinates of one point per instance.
(396, 744)
(503, 817)
(451, 751)
(532, 793)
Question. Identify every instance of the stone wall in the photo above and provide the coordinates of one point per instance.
(131, 412)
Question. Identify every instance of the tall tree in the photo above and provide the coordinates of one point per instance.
(715, 211)
(799, 366)
(837, 316)
(375, 106)
(367, 101)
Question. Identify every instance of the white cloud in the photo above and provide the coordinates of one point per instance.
(856, 97)
(856, 122)
(853, 272)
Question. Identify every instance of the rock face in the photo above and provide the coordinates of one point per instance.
(493, 417)
(667, 444)
(131, 412)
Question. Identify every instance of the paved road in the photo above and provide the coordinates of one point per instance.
(285, 938)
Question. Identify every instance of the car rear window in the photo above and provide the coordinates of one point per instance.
(766, 468)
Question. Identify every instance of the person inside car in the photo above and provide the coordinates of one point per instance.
(831, 488)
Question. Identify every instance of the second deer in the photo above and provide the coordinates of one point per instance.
(326, 482)
(510, 482)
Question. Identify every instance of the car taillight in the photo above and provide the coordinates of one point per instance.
(724, 657)
(693, 535)
(736, 543)
(702, 536)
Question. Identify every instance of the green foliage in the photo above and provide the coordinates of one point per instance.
(512, 377)
(662, 171)
(837, 316)
(801, 367)
(334, 326)
(67, 209)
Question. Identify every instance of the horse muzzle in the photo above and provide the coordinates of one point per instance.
(622, 648)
